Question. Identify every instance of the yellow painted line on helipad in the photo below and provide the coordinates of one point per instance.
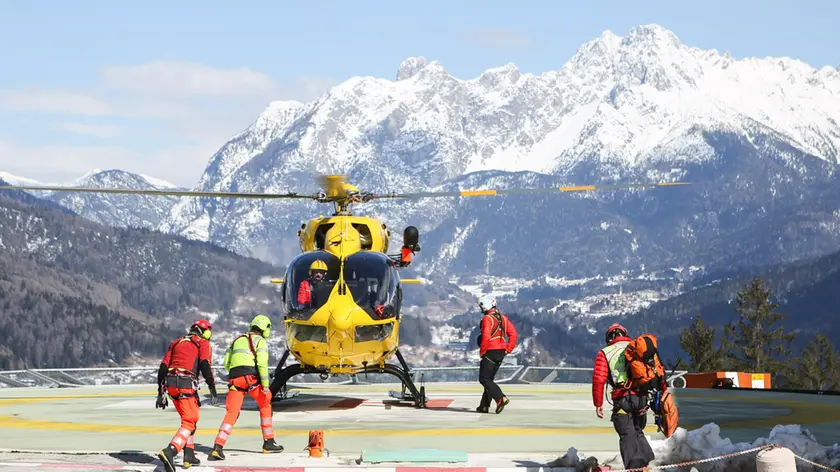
(19, 400)
(801, 412)
(12, 422)
(350, 391)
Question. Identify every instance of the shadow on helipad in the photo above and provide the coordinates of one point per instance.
(133, 457)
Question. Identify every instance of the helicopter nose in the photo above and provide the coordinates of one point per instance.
(340, 321)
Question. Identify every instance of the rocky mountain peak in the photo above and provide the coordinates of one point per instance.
(411, 66)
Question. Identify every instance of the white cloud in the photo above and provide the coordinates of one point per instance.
(189, 79)
(496, 38)
(195, 106)
(100, 131)
(181, 165)
(56, 101)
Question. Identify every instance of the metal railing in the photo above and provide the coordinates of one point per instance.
(147, 375)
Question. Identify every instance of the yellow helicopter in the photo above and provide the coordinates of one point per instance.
(343, 294)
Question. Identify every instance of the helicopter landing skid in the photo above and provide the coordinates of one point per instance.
(279, 388)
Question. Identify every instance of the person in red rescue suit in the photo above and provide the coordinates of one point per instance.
(178, 377)
(493, 348)
(317, 272)
(629, 414)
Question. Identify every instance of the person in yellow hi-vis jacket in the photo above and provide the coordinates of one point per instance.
(246, 361)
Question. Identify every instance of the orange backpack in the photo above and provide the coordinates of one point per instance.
(667, 416)
(645, 371)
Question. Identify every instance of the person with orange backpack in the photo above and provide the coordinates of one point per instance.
(629, 415)
(647, 377)
(178, 377)
(493, 348)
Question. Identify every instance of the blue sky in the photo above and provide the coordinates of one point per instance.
(157, 87)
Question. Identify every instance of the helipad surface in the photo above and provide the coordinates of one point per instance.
(541, 422)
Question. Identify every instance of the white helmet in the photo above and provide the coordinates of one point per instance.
(486, 302)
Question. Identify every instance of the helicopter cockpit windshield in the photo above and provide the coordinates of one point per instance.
(309, 281)
(372, 280)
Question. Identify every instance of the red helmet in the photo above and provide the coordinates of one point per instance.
(615, 330)
(204, 328)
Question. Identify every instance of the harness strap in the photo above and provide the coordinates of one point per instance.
(253, 352)
(251, 386)
(182, 395)
(498, 329)
(189, 338)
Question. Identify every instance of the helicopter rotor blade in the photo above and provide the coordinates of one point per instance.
(171, 193)
(524, 191)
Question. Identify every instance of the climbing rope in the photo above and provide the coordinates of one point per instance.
(725, 456)
(699, 461)
(824, 467)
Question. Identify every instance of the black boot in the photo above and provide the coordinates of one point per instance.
(483, 409)
(269, 446)
(502, 404)
(189, 458)
(167, 456)
(216, 454)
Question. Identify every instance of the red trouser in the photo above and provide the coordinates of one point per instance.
(233, 403)
(188, 409)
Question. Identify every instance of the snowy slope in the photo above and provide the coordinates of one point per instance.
(758, 137)
(639, 107)
(112, 210)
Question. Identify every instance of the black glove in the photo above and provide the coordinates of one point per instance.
(162, 401)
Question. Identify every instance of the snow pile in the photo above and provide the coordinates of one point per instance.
(573, 458)
(706, 442)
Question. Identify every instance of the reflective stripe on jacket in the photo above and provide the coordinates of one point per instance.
(239, 354)
(601, 374)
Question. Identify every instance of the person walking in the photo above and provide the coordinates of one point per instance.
(629, 414)
(493, 347)
(178, 377)
(246, 361)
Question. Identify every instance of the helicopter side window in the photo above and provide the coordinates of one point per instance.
(310, 279)
(371, 278)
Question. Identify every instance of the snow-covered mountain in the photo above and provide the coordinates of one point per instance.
(756, 137)
(113, 210)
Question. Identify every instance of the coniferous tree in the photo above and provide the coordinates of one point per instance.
(819, 366)
(751, 344)
(698, 341)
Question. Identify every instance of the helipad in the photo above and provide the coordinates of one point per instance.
(541, 422)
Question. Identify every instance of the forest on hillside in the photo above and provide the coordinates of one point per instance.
(50, 319)
(806, 292)
(758, 341)
(77, 293)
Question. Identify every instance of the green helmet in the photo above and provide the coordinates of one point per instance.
(263, 324)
